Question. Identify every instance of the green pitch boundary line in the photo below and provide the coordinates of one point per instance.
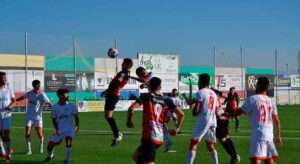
(138, 133)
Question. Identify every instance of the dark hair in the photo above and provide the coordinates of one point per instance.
(232, 88)
(61, 92)
(204, 79)
(174, 90)
(2, 73)
(35, 82)
(155, 83)
(139, 70)
(128, 61)
(263, 83)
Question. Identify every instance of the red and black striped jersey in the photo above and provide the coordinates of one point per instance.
(155, 108)
(116, 85)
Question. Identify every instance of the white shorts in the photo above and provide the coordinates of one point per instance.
(171, 114)
(57, 139)
(36, 122)
(262, 150)
(209, 133)
(5, 120)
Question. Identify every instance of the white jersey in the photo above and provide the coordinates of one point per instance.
(260, 110)
(64, 116)
(175, 100)
(35, 104)
(209, 102)
(6, 94)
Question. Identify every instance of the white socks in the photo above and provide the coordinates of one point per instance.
(191, 157)
(214, 156)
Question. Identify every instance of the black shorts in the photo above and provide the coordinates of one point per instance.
(222, 129)
(110, 102)
(147, 151)
(231, 112)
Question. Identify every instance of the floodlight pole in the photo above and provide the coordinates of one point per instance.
(116, 46)
(276, 71)
(75, 63)
(26, 64)
(242, 72)
(299, 73)
(215, 66)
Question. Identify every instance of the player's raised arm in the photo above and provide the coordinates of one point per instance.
(21, 98)
(141, 80)
(187, 100)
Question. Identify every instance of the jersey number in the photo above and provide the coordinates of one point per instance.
(157, 111)
(263, 113)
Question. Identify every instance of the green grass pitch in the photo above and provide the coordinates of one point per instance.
(92, 143)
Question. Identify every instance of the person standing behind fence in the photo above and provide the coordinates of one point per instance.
(36, 101)
(7, 100)
(232, 103)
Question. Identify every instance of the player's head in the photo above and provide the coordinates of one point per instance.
(63, 94)
(262, 84)
(127, 64)
(36, 84)
(141, 72)
(3, 78)
(155, 84)
(174, 92)
(204, 80)
(232, 90)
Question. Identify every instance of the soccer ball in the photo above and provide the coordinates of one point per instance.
(112, 52)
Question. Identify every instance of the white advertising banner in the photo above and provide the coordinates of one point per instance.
(163, 66)
(16, 79)
(295, 81)
(230, 77)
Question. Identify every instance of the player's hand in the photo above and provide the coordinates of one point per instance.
(58, 132)
(279, 141)
(142, 86)
(173, 132)
(129, 124)
(76, 128)
(225, 116)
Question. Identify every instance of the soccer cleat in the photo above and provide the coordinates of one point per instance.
(66, 162)
(49, 158)
(8, 159)
(29, 152)
(168, 145)
(41, 150)
(237, 160)
(116, 141)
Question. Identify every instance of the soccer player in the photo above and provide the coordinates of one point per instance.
(171, 116)
(155, 108)
(7, 100)
(62, 119)
(204, 111)
(222, 130)
(262, 112)
(36, 101)
(112, 97)
(232, 103)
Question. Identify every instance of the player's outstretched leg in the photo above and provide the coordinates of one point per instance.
(192, 151)
(41, 137)
(112, 122)
(68, 141)
(28, 142)
(213, 152)
(50, 149)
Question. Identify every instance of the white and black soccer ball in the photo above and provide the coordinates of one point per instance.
(112, 52)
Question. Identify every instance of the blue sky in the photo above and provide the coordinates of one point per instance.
(188, 28)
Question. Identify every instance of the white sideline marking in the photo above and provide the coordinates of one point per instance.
(139, 132)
